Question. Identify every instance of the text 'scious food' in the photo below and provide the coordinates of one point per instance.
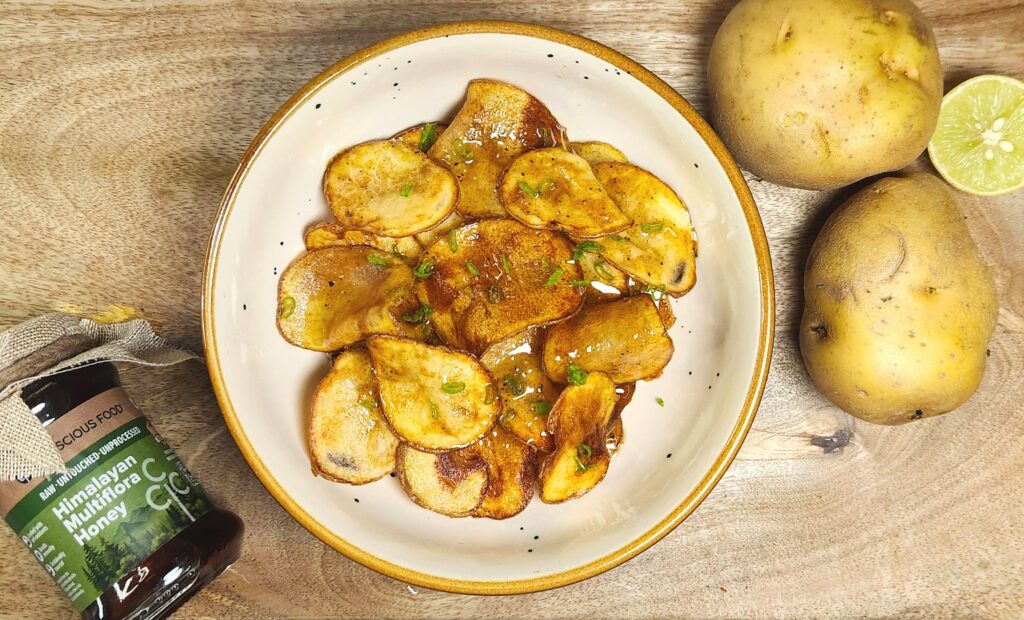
(490, 292)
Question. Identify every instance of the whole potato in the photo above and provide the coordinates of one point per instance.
(821, 93)
(899, 306)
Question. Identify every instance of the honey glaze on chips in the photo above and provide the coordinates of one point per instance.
(492, 293)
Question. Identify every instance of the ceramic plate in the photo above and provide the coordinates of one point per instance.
(673, 455)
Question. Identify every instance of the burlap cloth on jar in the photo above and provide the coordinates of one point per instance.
(54, 343)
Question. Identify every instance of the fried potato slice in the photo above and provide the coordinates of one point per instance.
(660, 247)
(454, 220)
(389, 189)
(526, 393)
(579, 423)
(349, 441)
(433, 397)
(625, 339)
(334, 296)
(553, 188)
(421, 137)
(497, 122)
(328, 233)
(494, 278)
(598, 152)
(511, 474)
(451, 483)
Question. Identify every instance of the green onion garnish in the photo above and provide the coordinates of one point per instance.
(505, 264)
(541, 407)
(428, 136)
(406, 190)
(380, 261)
(424, 269)
(618, 239)
(602, 271)
(579, 282)
(472, 269)
(369, 404)
(652, 227)
(453, 387)
(514, 383)
(583, 451)
(576, 375)
(546, 137)
(555, 276)
(463, 151)
(660, 401)
(586, 247)
(453, 243)
(435, 411)
(419, 315)
(287, 307)
(397, 252)
(490, 394)
(532, 193)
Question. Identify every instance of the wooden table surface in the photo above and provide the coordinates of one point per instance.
(120, 125)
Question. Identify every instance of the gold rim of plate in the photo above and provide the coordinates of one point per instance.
(754, 392)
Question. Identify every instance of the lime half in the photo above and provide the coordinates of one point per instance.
(978, 146)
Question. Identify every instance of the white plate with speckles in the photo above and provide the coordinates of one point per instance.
(672, 456)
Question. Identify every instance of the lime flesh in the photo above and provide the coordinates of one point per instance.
(978, 146)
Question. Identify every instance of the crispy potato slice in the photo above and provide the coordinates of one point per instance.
(454, 220)
(625, 339)
(328, 233)
(598, 152)
(511, 474)
(421, 137)
(389, 189)
(660, 247)
(553, 188)
(605, 282)
(579, 423)
(496, 123)
(433, 397)
(501, 278)
(451, 483)
(526, 392)
(334, 296)
(349, 441)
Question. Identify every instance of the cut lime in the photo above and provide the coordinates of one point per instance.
(978, 146)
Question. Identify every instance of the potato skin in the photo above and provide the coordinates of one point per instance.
(821, 93)
(899, 306)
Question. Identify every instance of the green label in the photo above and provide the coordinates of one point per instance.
(122, 498)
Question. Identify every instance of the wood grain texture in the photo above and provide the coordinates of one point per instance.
(120, 125)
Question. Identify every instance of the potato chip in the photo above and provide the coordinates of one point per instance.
(389, 189)
(526, 392)
(660, 247)
(349, 441)
(553, 188)
(450, 483)
(511, 474)
(328, 233)
(579, 423)
(433, 397)
(625, 339)
(598, 152)
(497, 122)
(491, 279)
(335, 296)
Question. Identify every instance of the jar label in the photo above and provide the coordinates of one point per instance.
(124, 495)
